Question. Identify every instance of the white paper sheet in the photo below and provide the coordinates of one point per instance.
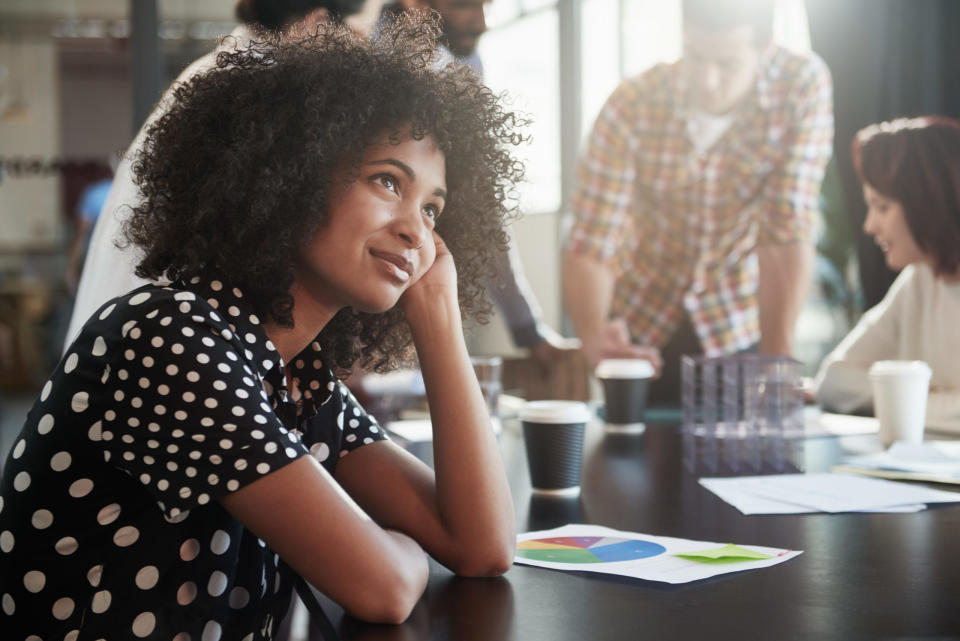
(659, 562)
(420, 430)
(801, 493)
(932, 461)
(930, 457)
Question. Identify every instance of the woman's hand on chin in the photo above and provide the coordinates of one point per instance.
(437, 284)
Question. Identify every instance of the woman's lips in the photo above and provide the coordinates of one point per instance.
(397, 265)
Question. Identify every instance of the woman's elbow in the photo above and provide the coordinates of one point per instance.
(492, 561)
(393, 598)
(394, 609)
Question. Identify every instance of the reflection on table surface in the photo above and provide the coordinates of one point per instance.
(861, 576)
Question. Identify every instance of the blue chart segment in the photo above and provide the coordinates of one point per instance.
(627, 550)
(588, 549)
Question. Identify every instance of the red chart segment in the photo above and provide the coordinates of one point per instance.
(573, 541)
(592, 549)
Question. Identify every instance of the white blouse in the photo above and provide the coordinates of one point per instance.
(918, 319)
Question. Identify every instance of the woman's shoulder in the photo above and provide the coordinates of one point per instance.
(910, 284)
(174, 316)
(155, 305)
(918, 284)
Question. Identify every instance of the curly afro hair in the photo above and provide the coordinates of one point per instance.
(235, 177)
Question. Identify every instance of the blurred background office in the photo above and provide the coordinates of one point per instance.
(77, 78)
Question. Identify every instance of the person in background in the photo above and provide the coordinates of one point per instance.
(696, 198)
(108, 269)
(463, 24)
(88, 210)
(910, 171)
(315, 202)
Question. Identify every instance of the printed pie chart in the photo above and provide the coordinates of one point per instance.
(587, 549)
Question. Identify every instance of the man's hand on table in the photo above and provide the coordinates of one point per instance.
(613, 341)
(553, 349)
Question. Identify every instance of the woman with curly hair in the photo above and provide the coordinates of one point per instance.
(313, 205)
(108, 269)
(910, 169)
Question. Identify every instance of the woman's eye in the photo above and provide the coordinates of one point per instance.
(387, 181)
(432, 212)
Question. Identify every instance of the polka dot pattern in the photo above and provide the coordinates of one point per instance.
(179, 405)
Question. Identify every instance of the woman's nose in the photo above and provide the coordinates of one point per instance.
(409, 226)
(868, 222)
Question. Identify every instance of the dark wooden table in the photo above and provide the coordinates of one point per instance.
(861, 576)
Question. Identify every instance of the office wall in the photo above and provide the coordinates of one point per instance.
(29, 206)
(96, 112)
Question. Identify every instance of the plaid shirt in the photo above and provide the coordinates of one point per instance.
(678, 228)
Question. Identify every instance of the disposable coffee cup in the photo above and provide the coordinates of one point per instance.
(625, 382)
(900, 399)
(553, 434)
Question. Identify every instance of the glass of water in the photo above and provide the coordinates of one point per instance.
(488, 370)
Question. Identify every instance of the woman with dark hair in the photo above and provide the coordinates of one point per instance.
(314, 204)
(910, 170)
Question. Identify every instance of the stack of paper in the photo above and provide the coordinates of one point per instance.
(935, 461)
(805, 493)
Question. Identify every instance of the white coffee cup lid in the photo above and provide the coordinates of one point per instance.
(624, 368)
(555, 412)
(900, 368)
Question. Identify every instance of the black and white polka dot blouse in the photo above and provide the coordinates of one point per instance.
(170, 398)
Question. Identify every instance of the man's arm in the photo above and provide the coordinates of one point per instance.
(511, 293)
(587, 293)
(784, 280)
(785, 243)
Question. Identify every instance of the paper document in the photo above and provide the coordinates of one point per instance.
(420, 430)
(934, 461)
(594, 548)
(804, 493)
(412, 430)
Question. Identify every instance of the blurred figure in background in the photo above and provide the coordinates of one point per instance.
(88, 210)
(910, 171)
(108, 270)
(697, 198)
(463, 24)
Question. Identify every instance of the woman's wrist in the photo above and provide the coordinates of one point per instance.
(430, 316)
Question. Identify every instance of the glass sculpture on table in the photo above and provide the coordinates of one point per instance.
(742, 414)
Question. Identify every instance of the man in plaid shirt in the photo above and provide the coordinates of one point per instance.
(697, 198)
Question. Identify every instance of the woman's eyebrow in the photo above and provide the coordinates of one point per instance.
(405, 168)
(402, 166)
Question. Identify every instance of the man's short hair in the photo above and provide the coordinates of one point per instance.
(274, 15)
(721, 15)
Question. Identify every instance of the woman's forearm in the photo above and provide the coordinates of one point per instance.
(473, 498)
(843, 386)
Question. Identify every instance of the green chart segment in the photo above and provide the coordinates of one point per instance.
(587, 549)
